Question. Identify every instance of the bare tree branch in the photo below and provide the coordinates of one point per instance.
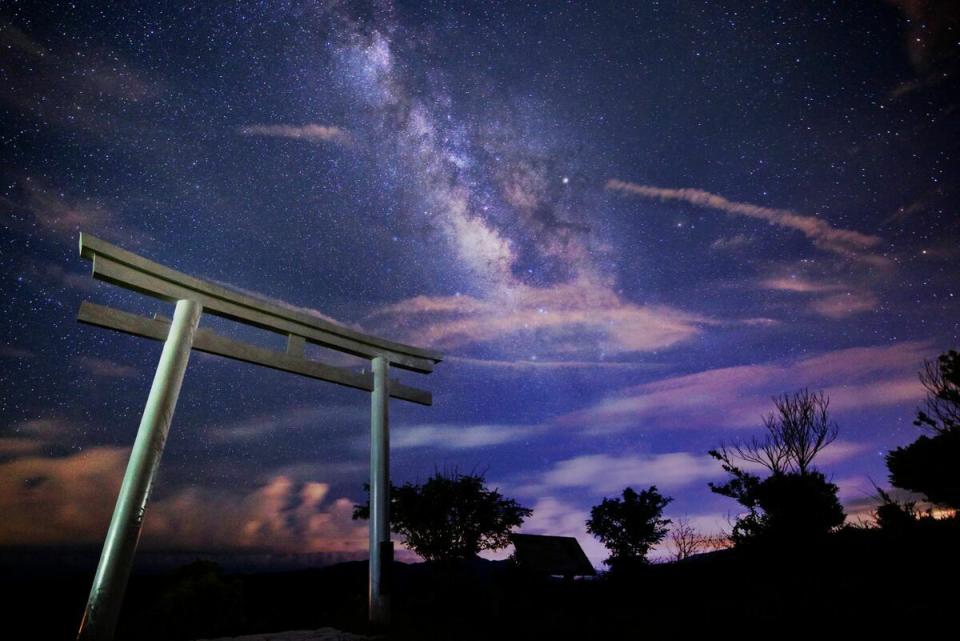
(686, 540)
(795, 433)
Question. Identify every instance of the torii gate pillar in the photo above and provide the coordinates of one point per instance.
(116, 559)
(381, 549)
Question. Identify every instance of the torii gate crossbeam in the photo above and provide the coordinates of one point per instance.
(193, 297)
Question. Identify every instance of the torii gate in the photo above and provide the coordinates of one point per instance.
(193, 297)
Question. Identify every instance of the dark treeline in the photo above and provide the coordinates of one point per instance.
(789, 564)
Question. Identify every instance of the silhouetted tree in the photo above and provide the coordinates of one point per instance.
(685, 540)
(630, 526)
(795, 500)
(942, 382)
(451, 516)
(931, 464)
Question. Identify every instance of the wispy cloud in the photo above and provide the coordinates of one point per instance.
(528, 364)
(36, 435)
(460, 437)
(266, 425)
(841, 450)
(17, 446)
(46, 429)
(731, 243)
(836, 300)
(844, 242)
(737, 397)
(798, 284)
(605, 473)
(280, 303)
(846, 304)
(105, 368)
(56, 85)
(15, 353)
(313, 133)
(54, 274)
(61, 216)
(578, 318)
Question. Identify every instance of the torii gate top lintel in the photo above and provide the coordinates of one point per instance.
(180, 335)
(115, 265)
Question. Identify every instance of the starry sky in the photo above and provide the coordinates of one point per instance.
(625, 225)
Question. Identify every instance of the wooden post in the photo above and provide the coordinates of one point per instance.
(109, 584)
(381, 555)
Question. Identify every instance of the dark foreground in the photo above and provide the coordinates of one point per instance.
(859, 582)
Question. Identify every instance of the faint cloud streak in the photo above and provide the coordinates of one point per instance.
(459, 437)
(104, 368)
(844, 242)
(313, 133)
(838, 300)
(604, 473)
(736, 397)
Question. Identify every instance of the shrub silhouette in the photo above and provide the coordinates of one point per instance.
(451, 516)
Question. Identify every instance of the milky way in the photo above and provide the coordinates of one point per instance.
(626, 227)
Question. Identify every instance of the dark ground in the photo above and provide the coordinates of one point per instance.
(859, 582)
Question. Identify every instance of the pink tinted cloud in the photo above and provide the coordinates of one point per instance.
(845, 242)
(310, 133)
(59, 500)
(105, 368)
(846, 304)
(582, 316)
(835, 300)
(521, 365)
(70, 499)
(798, 284)
(62, 215)
(281, 515)
(738, 396)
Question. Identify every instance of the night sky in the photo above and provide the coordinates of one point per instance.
(625, 225)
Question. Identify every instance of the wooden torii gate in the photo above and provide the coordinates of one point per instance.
(193, 297)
